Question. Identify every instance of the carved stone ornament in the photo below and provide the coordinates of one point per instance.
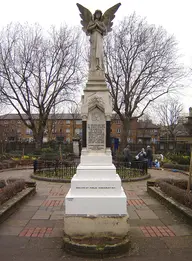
(96, 101)
(84, 117)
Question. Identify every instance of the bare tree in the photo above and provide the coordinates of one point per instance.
(169, 114)
(144, 123)
(74, 110)
(38, 70)
(141, 66)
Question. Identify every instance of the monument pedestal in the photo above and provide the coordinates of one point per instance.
(96, 203)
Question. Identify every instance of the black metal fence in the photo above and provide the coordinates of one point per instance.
(56, 169)
(66, 170)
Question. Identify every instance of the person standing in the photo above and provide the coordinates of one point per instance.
(149, 156)
(127, 156)
(141, 155)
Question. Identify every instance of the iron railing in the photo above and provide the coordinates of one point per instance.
(66, 170)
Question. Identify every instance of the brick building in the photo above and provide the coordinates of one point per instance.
(66, 126)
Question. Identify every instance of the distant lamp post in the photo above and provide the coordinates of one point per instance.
(188, 126)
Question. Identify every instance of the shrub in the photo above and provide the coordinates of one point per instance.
(177, 193)
(26, 157)
(47, 149)
(11, 190)
(178, 158)
(180, 183)
(176, 166)
(13, 180)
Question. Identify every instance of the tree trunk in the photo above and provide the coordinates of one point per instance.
(38, 137)
(190, 172)
(124, 133)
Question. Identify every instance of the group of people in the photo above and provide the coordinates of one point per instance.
(143, 155)
(146, 156)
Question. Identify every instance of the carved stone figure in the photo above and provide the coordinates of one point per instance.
(96, 26)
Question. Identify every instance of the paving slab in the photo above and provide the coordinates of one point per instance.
(164, 213)
(151, 201)
(42, 216)
(149, 247)
(41, 223)
(178, 242)
(145, 222)
(57, 232)
(10, 231)
(181, 229)
(35, 202)
(45, 243)
(10, 241)
(23, 215)
(146, 214)
(136, 232)
(14, 223)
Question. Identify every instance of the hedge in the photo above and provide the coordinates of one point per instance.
(11, 190)
(173, 188)
(176, 166)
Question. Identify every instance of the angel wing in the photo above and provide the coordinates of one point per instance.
(109, 15)
(86, 16)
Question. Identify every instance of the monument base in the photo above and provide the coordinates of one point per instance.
(96, 226)
(96, 236)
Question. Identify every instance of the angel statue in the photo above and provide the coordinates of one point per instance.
(97, 26)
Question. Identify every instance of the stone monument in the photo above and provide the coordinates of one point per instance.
(96, 205)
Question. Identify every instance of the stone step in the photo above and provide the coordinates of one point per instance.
(96, 204)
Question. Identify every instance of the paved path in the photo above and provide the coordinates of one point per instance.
(34, 232)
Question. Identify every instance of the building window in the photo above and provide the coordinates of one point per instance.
(68, 121)
(67, 130)
(77, 131)
(118, 122)
(78, 122)
(171, 147)
(118, 130)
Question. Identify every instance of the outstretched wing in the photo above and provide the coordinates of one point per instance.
(109, 15)
(86, 16)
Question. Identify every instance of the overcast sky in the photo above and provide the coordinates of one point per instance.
(174, 15)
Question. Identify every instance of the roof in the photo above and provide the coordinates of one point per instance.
(147, 125)
(60, 116)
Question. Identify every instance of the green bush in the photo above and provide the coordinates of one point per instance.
(47, 150)
(178, 158)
